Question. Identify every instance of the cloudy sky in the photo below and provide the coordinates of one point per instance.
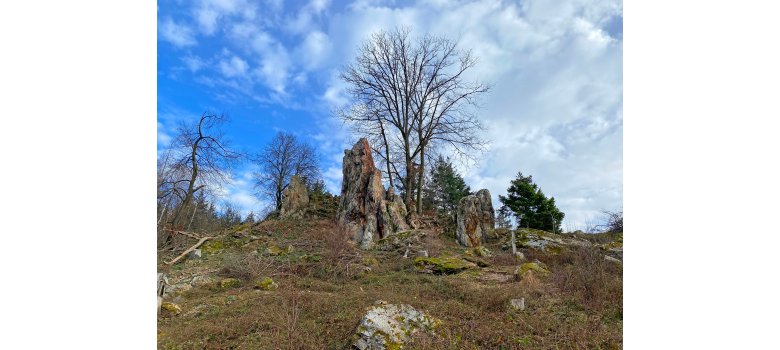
(555, 110)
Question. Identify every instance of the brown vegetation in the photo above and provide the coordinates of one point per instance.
(325, 284)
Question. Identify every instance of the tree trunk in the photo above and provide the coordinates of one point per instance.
(387, 153)
(420, 179)
(194, 209)
(162, 214)
(408, 190)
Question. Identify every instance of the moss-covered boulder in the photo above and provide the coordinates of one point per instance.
(480, 251)
(168, 309)
(442, 265)
(389, 326)
(229, 283)
(476, 260)
(212, 247)
(274, 250)
(535, 268)
(266, 283)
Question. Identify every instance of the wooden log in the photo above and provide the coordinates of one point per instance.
(188, 234)
(201, 241)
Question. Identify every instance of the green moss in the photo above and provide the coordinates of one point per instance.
(370, 261)
(170, 308)
(478, 261)
(531, 266)
(442, 265)
(481, 251)
(212, 247)
(311, 258)
(229, 283)
(266, 283)
(274, 250)
(553, 249)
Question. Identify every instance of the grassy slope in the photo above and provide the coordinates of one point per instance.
(325, 288)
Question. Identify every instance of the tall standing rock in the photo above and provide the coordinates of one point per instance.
(397, 211)
(488, 219)
(475, 218)
(294, 197)
(362, 207)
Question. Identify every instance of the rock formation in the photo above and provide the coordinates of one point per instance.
(397, 211)
(362, 208)
(389, 326)
(475, 218)
(294, 197)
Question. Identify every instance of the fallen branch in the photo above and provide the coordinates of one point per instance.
(189, 250)
(188, 234)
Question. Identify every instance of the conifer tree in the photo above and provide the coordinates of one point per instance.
(530, 206)
(445, 188)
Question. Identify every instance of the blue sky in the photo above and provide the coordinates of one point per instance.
(555, 110)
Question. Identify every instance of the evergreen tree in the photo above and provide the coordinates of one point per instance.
(445, 187)
(530, 206)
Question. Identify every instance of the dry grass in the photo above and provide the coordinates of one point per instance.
(319, 303)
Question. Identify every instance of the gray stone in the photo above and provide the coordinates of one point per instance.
(195, 254)
(517, 304)
(294, 197)
(362, 208)
(396, 210)
(201, 281)
(475, 218)
(391, 325)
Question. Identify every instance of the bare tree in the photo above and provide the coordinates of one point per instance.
(613, 221)
(410, 94)
(284, 157)
(199, 157)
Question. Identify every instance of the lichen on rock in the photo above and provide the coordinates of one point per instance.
(475, 218)
(294, 198)
(274, 250)
(229, 283)
(266, 283)
(390, 326)
(363, 211)
(537, 268)
(170, 309)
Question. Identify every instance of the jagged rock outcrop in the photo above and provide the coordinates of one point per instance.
(389, 326)
(475, 218)
(362, 208)
(294, 197)
(397, 211)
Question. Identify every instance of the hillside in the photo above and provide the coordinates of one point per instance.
(321, 286)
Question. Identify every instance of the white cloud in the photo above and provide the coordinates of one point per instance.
(315, 49)
(305, 19)
(163, 138)
(240, 192)
(193, 63)
(208, 13)
(555, 110)
(179, 35)
(274, 68)
(233, 67)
